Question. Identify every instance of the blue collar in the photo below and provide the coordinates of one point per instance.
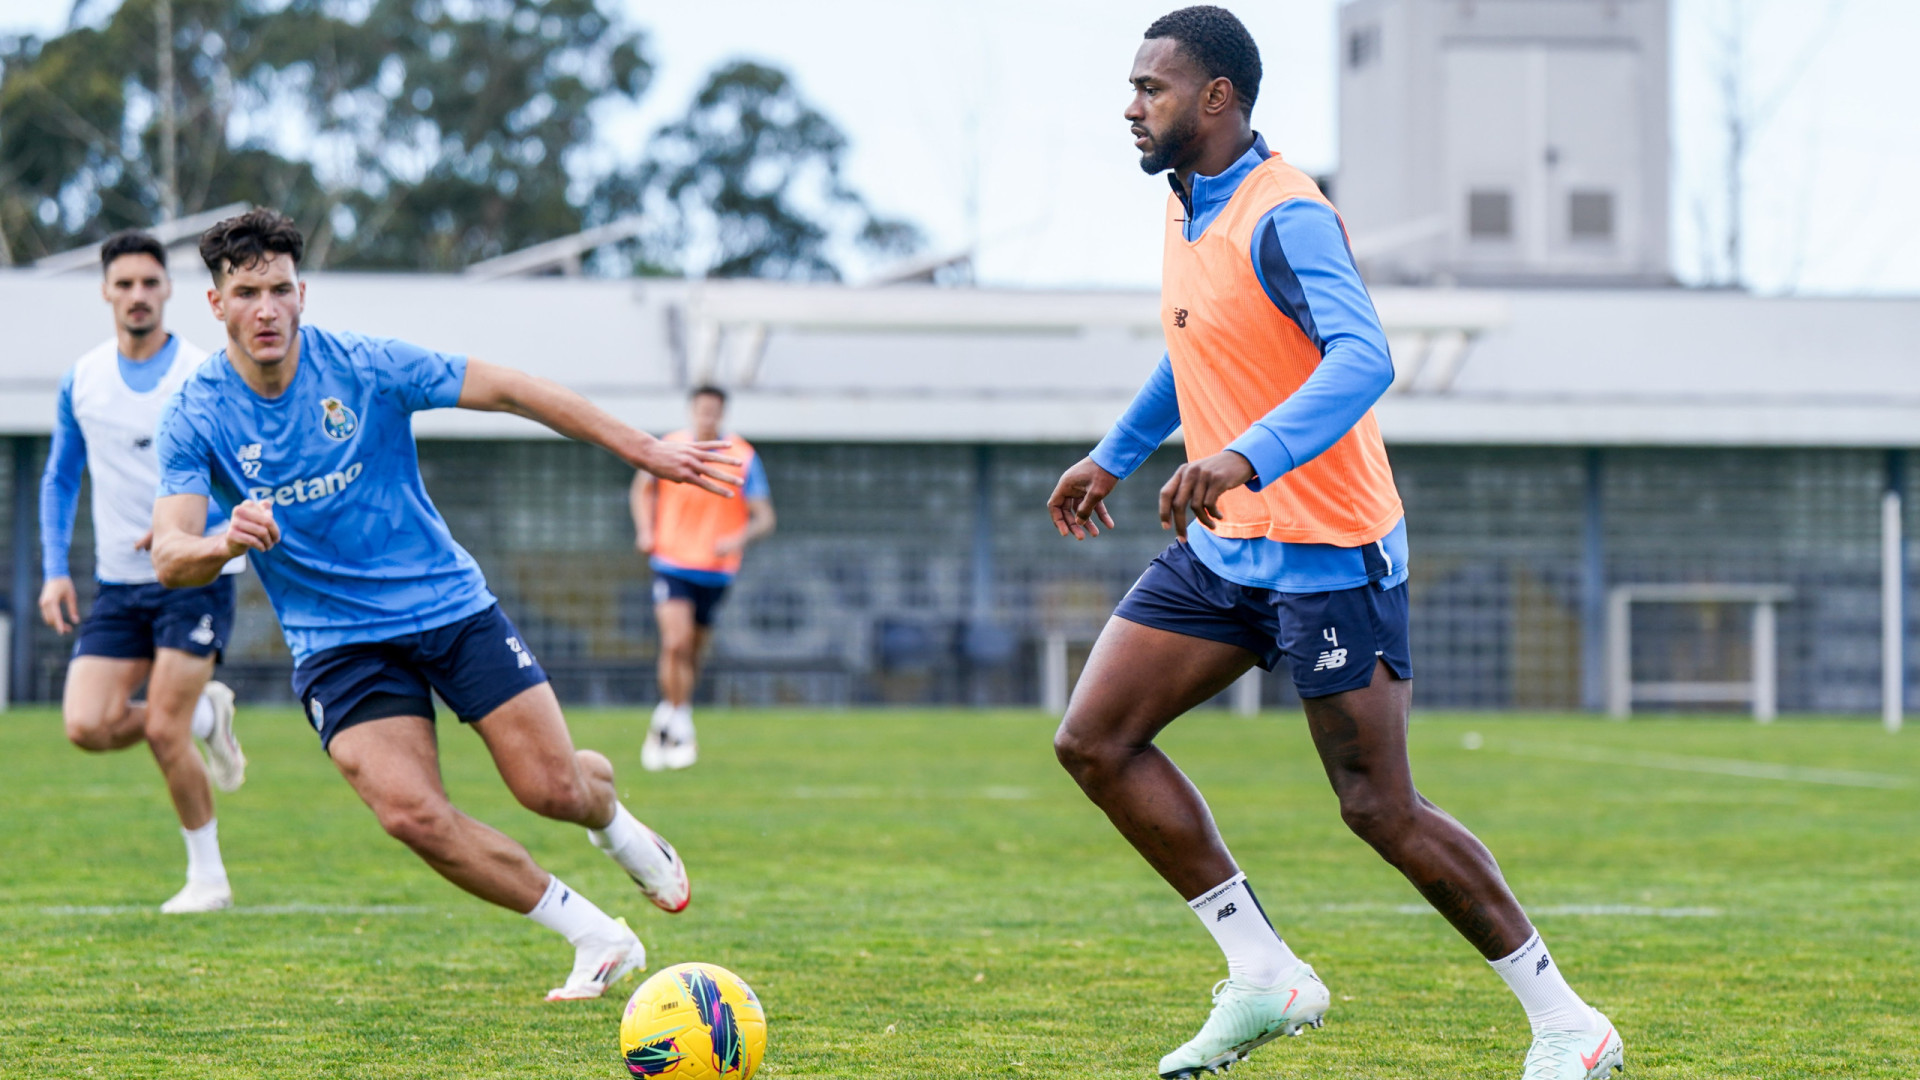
(142, 376)
(1210, 193)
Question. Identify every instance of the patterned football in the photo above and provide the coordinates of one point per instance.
(694, 1021)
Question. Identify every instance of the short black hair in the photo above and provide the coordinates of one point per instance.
(705, 389)
(249, 240)
(1219, 43)
(131, 242)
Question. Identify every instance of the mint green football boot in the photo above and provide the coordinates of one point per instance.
(1245, 1017)
(1576, 1055)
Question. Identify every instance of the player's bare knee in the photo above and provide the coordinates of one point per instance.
(563, 797)
(1088, 758)
(425, 826)
(165, 733)
(89, 732)
(1377, 817)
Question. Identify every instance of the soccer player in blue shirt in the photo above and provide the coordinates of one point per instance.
(305, 437)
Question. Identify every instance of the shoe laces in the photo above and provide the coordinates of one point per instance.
(1553, 1051)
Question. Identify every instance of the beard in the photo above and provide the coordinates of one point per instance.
(1169, 146)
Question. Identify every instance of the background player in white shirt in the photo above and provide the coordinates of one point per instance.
(139, 631)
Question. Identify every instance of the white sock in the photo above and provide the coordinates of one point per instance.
(1536, 980)
(662, 717)
(629, 843)
(203, 854)
(683, 722)
(1255, 954)
(203, 718)
(569, 914)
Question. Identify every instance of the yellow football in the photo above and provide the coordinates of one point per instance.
(694, 1021)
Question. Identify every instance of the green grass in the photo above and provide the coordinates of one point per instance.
(925, 894)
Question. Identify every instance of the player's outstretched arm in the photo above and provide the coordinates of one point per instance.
(183, 557)
(492, 388)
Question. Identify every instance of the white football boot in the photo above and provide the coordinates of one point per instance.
(1246, 1017)
(226, 763)
(653, 751)
(652, 864)
(599, 962)
(1576, 1055)
(679, 749)
(199, 896)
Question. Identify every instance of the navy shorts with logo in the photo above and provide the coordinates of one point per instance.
(1329, 639)
(128, 622)
(477, 664)
(704, 598)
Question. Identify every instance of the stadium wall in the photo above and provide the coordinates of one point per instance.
(928, 573)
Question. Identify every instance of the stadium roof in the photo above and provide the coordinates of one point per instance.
(910, 362)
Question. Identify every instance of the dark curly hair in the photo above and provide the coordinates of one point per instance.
(249, 240)
(1219, 43)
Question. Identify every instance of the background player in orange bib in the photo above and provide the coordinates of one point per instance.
(1275, 357)
(694, 540)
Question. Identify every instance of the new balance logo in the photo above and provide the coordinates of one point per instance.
(1180, 317)
(522, 658)
(1331, 660)
(202, 634)
(1542, 965)
(1224, 912)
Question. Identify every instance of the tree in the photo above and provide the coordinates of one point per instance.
(748, 184)
(437, 133)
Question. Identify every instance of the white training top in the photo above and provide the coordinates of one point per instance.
(118, 423)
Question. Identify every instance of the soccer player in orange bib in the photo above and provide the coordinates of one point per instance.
(693, 540)
(1275, 358)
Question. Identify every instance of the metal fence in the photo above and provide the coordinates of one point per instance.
(929, 573)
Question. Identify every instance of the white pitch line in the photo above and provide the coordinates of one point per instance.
(1602, 910)
(1755, 770)
(868, 791)
(261, 909)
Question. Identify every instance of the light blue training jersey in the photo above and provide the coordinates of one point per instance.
(363, 555)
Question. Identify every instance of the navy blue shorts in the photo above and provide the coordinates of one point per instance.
(1329, 639)
(129, 622)
(476, 664)
(704, 598)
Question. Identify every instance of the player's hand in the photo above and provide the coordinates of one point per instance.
(727, 545)
(643, 543)
(59, 604)
(1078, 503)
(251, 528)
(697, 463)
(1197, 487)
(145, 543)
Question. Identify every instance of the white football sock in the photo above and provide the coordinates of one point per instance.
(203, 718)
(1255, 954)
(662, 717)
(203, 854)
(683, 722)
(630, 844)
(1536, 980)
(569, 914)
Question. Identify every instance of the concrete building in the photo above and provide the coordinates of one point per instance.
(1553, 446)
(1506, 141)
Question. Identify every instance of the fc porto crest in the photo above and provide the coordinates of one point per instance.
(337, 420)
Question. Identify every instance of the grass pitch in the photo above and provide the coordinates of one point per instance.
(925, 894)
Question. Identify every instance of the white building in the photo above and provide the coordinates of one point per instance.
(1503, 141)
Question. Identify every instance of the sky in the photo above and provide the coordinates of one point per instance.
(995, 124)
